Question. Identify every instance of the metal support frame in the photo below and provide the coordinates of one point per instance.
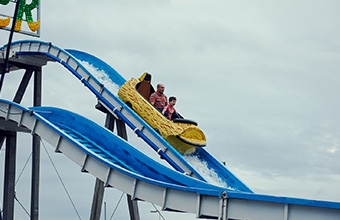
(133, 208)
(2, 140)
(23, 85)
(97, 200)
(11, 146)
(99, 188)
(9, 177)
(36, 151)
(35, 177)
(133, 204)
(224, 207)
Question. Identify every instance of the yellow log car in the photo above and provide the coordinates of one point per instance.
(182, 134)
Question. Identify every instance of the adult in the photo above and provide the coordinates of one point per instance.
(158, 99)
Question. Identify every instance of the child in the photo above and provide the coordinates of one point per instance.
(169, 111)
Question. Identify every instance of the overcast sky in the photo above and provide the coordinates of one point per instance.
(260, 77)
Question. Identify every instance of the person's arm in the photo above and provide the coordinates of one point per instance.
(152, 100)
(164, 110)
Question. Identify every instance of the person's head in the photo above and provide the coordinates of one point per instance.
(160, 88)
(172, 100)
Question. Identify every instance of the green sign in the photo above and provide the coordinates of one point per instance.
(24, 10)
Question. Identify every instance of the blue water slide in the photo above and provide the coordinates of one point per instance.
(41, 52)
(108, 148)
(113, 160)
(206, 158)
(118, 164)
(70, 59)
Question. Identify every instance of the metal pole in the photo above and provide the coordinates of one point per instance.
(23, 86)
(36, 151)
(4, 68)
(133, 204)
(98, 194)
(104, 211)
(9, 178)
(97, 200)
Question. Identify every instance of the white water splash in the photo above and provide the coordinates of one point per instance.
(209, 174)
(102, 77)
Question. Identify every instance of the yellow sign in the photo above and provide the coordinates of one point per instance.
(24, 9)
